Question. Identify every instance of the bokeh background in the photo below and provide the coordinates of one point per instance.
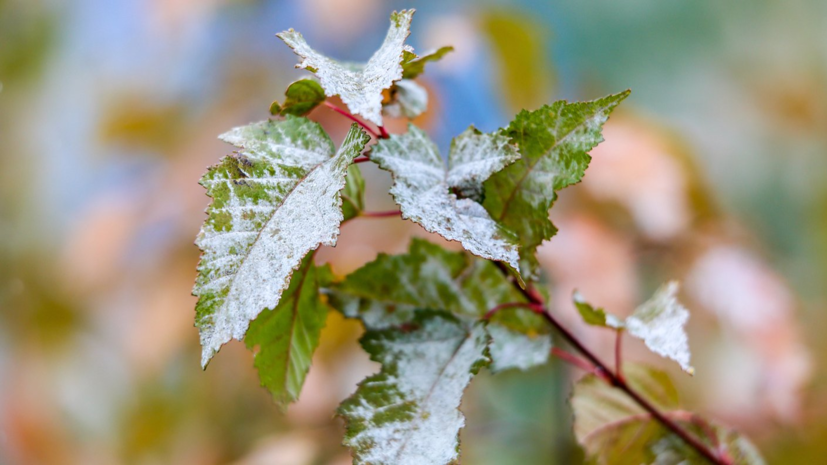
(713, 172)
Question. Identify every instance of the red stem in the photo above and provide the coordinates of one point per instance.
(620, 383)
(346, 114)
(382, 133)
(360, 159)
(381, 214)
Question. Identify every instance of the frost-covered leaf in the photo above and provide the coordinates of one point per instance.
(302, 97)
(660, 323)
(273, 202)
(554, 142)
(595, 316)
(385, 292)
(408, 413)
(413, 66)
(424, 187)
(612, 429)
(285, 337)
(359, 85)
(512, 349)
(408, 99)
(353, 195)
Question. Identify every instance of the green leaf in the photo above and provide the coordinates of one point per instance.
(595, 316)
(302, 97)
(511, 349)
(359, 85)
(408, 413)
(413, 66)
(423, 186)
(554, 142)
(659, 322)
(285, 337)
(385, 293)
(408, 99)
(273, 202)
(614, 430)
(353, 195)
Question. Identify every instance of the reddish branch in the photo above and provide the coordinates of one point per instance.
(616, 380)
(360, 159)
(382, 134)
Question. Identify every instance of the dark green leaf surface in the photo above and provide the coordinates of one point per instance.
(302, 97)
(554, 142)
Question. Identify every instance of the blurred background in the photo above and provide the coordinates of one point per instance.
(713, 172)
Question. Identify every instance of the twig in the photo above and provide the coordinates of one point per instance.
(617, 381)
(347, 114)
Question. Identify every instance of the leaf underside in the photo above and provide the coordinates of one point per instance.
(424, 187)
(359, 85)
(554, 142)
(612, 429)
(408, 99)
(301, 97)
(273, 202)
(408, 413)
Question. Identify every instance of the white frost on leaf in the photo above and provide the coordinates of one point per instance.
(660, 322)
(409, 100)
(512, 349)
(423, 187)
(359, 86)
(273, 202)
(408, 414)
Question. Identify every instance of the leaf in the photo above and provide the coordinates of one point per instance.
(408, 413)
(595, 316)
(359, 85)
(554, 142)
(408, 99)
(385, 291)
(660, 322)
(273, 202)
(287, 336)
(302, 97)
(614, 430)
(511, 349)
(423, 186)
(413, 66)
(353, 195)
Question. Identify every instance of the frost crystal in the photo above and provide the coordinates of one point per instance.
(423, 187)
(359, 85)
(273, 202)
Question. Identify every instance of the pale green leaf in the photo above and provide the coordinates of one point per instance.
(302, 97)
(359, 86)
(423, 186)
(613, 429)
(273, 202)
(285, 337)
(512, 349)
(408, 413)
(554, 142)
(408, 99)
(413, 66)
(660, 322)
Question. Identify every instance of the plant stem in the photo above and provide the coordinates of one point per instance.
(361, 159)
(347, 114)
(382, 133)
(619, 353)
(381, 214)
(620, 383)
